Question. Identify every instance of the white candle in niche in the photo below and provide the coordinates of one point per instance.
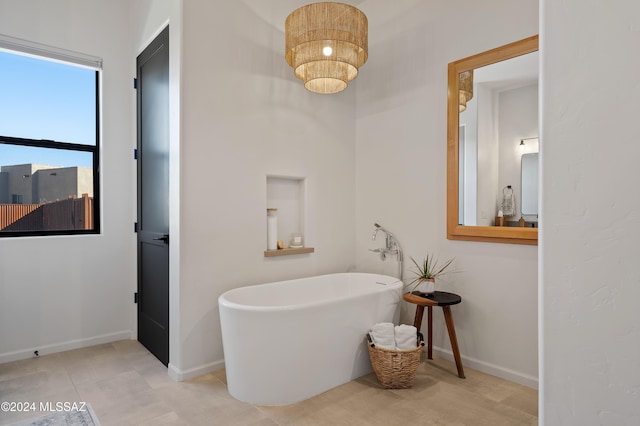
(272, 229)
(295, 241)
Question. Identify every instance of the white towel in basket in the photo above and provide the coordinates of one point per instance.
(406, 337)
(383, 335)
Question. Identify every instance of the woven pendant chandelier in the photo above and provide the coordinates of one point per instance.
(325, 44)
(465, 89)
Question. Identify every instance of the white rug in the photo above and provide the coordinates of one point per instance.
(64, 418)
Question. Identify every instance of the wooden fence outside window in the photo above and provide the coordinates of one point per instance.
(69, 214)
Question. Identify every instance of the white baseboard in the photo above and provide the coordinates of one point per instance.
(65, 346)
(494, 370)
(180, 375)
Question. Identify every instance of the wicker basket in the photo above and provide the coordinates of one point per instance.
(395, 369)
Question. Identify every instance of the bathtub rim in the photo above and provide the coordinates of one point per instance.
(223, 302)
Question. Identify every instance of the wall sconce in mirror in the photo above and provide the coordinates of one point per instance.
(528, 147)
(482, 157)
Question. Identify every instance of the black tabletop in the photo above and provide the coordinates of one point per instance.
(441, 297)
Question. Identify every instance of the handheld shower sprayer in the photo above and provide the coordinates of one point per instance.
(375, 231)
(392, 246)
(380, 228)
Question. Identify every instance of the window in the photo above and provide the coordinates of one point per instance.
(49, 141)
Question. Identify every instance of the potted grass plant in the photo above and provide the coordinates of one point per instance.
(426, 272)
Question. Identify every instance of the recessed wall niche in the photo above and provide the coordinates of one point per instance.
(287, 195)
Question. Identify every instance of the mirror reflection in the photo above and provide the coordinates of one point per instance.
(496, 125)
(492, 122)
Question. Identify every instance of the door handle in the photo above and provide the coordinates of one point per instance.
(164, 238)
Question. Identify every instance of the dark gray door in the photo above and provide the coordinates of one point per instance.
(153, 196)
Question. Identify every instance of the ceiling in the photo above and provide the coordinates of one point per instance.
(378, 12)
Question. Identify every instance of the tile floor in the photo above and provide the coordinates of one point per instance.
(126, 385)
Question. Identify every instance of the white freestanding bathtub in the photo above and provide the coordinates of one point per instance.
(287, 341)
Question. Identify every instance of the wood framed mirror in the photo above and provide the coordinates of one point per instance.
(458, 99)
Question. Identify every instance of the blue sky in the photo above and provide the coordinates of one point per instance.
(42, 99)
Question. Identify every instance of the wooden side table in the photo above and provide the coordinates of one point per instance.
(445, 301)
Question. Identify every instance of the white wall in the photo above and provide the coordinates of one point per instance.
(401, 172)
(246, 116)
(590, 284)
(62, 292)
